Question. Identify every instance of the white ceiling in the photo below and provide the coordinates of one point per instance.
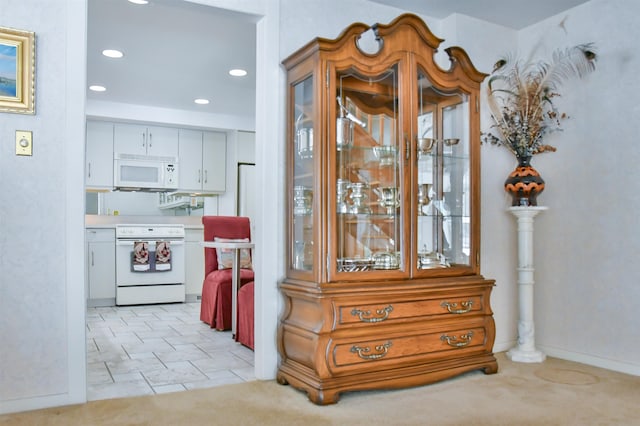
(509, 13)
(176, 50)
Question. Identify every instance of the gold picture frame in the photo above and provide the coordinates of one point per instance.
(17, 71)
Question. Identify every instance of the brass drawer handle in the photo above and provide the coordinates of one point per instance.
(465, 339)
(364, 352)
(451, 307)
(384, 312)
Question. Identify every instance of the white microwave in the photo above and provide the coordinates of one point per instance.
(137, 172)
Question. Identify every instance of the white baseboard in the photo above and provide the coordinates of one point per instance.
(596, 361)
(38, 402)
(503, 346)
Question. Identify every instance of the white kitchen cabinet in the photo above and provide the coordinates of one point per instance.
(194, 263)
(101, 267)
(202, 161)
(99, 155)
(140, 139)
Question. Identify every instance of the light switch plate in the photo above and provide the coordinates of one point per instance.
(24, 142)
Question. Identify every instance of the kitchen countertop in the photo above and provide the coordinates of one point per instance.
(104, 221)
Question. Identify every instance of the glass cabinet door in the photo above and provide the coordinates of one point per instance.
(368, 177)
(443, 190)
(302, 247)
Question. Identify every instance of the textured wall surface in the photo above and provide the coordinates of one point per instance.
(32, 218)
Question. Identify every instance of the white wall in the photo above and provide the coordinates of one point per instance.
(41, 218)
(586, 246)
(302, 21)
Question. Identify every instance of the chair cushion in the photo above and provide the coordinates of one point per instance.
(222, 227)
(225, 256)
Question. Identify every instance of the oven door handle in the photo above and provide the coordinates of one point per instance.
(130, 242)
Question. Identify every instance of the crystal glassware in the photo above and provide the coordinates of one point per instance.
(358, 198)
(385, 154)
(302, 198)
(342, 186)
(389, 199)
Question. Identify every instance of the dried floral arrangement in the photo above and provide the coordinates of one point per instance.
(521, 98)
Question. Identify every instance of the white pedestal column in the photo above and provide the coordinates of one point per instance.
(526, 350)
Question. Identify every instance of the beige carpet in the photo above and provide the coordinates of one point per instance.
(555, 392)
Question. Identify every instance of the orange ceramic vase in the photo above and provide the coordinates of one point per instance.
(524, 184)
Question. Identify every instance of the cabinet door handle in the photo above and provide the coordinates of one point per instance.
(150, 140)
(199, 175)
(384, 314)
(89, 175)
(363, 352)
(92, 256)
(206, 177)
(452, 307)
(465, 339)
(144, 142)
(406, 147)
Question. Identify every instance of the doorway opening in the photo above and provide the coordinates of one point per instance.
(143, 349)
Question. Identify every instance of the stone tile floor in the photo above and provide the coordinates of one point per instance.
(142, 350)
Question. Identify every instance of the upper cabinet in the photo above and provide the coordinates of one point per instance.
(202, 161)
(99, 155)
(135, 139)
(201, 155)
(383, 285)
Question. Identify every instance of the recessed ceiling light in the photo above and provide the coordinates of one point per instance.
(238, 72)
(201, 101)
(112, 53)
(139, 1)
(97, 88)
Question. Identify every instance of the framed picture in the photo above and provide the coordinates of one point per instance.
(17, 71)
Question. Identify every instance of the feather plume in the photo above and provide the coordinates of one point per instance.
(521, 96)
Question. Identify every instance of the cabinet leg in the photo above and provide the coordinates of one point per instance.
(320, 397)
(281, 380)
(491, 369)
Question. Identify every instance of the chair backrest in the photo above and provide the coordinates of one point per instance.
(222, 227)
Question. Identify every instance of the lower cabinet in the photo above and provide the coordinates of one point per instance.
(376, 335)
(101, 267)
(194, 268)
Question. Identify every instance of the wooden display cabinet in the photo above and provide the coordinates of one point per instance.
(383, 286)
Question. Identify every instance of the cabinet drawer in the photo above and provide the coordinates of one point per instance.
(406, 348)
(456, 304)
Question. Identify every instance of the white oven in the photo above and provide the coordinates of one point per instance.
(150, 264)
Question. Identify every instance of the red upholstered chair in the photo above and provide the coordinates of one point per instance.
(215, 307)
(244, 332)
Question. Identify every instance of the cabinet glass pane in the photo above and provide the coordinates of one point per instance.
(303, 176)
(368, 184)
(443, 190)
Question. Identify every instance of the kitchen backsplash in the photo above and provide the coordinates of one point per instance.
(142, 204)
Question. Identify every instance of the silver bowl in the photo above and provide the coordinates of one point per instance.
(425, 145)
